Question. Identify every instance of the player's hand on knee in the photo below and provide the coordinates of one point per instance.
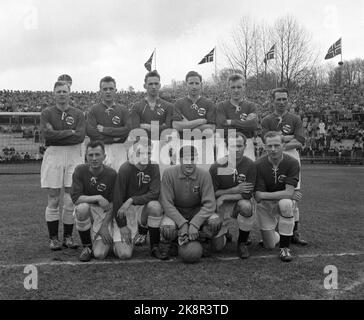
(125, 235)
(297, 196)
(192, 233)
(105, 235)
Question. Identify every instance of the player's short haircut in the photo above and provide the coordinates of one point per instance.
(150, 74)
(95, 144)
(283, 90)
(193, 74)
(61, 84)
(107, 79)
(235, 77)
(188, 150)
(273, 134)
(235, 136)
(65, 78)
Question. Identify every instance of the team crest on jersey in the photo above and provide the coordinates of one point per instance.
(160, 111)
(115, 120)
(243, 116)
(101, 187)
(93, 181)
(196, 189)
(282, 178)
(146, 179)
(70, 120)
(286, 129)
(201, 112)
(241, 178)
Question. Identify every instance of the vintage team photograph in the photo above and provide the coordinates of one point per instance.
(202, 151)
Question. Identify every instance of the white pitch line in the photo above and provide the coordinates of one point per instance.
(140, 261)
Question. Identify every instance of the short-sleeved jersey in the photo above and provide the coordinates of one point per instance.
(227, 111)
(142, 112)
(270, 179)
(63, 123)
(245, 171)
(142, 186)
(85, 183)
(288, 124)
(114, 119)
(202, 109)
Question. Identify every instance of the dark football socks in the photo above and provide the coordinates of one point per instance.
(67, 230)
(142, 230)
(243, 236)
(154, 236)
(284, 241)
(53, 229)
(85, 237)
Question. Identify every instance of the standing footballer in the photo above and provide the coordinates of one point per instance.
(108, 122)
(238, 113)
(277, 178)
(92, 192)
(63, 128)
(290, 125)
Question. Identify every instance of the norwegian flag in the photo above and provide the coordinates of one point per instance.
(334, 50)
(208, 58)
(270, 54)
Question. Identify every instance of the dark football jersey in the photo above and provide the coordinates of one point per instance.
(226, 111)
(84, 183)
(288, 124)
(202, 109)
(245, 171)
(270, 179)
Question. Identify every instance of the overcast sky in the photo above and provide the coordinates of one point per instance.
(90, 39)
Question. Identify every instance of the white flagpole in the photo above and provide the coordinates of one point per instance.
(155, 59)
(215, 64)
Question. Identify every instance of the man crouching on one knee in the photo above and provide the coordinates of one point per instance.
(234, 179)
(136, 196)
(91, 192)
(188, 200)
(277, 177)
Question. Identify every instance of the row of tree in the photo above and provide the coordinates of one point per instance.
(297, 60)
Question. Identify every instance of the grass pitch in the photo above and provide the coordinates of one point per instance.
(332, 220)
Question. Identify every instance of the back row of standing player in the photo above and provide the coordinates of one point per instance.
(64, 129)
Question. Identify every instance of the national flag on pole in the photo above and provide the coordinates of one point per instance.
(334, 50)
(209, 57)
(270, 54)
(148, 64)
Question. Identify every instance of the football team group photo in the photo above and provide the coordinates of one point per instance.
(242, 179)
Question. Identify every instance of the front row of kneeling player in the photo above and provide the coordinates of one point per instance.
(188, 212)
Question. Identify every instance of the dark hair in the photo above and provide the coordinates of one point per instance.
(237, 134)
(107, 79)
(190, 150)
(193, 74)
(95, 144)
(283, 90)
(65, 77)
(272, 134)
(60, 84)
(235, 77)
(153, 73)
